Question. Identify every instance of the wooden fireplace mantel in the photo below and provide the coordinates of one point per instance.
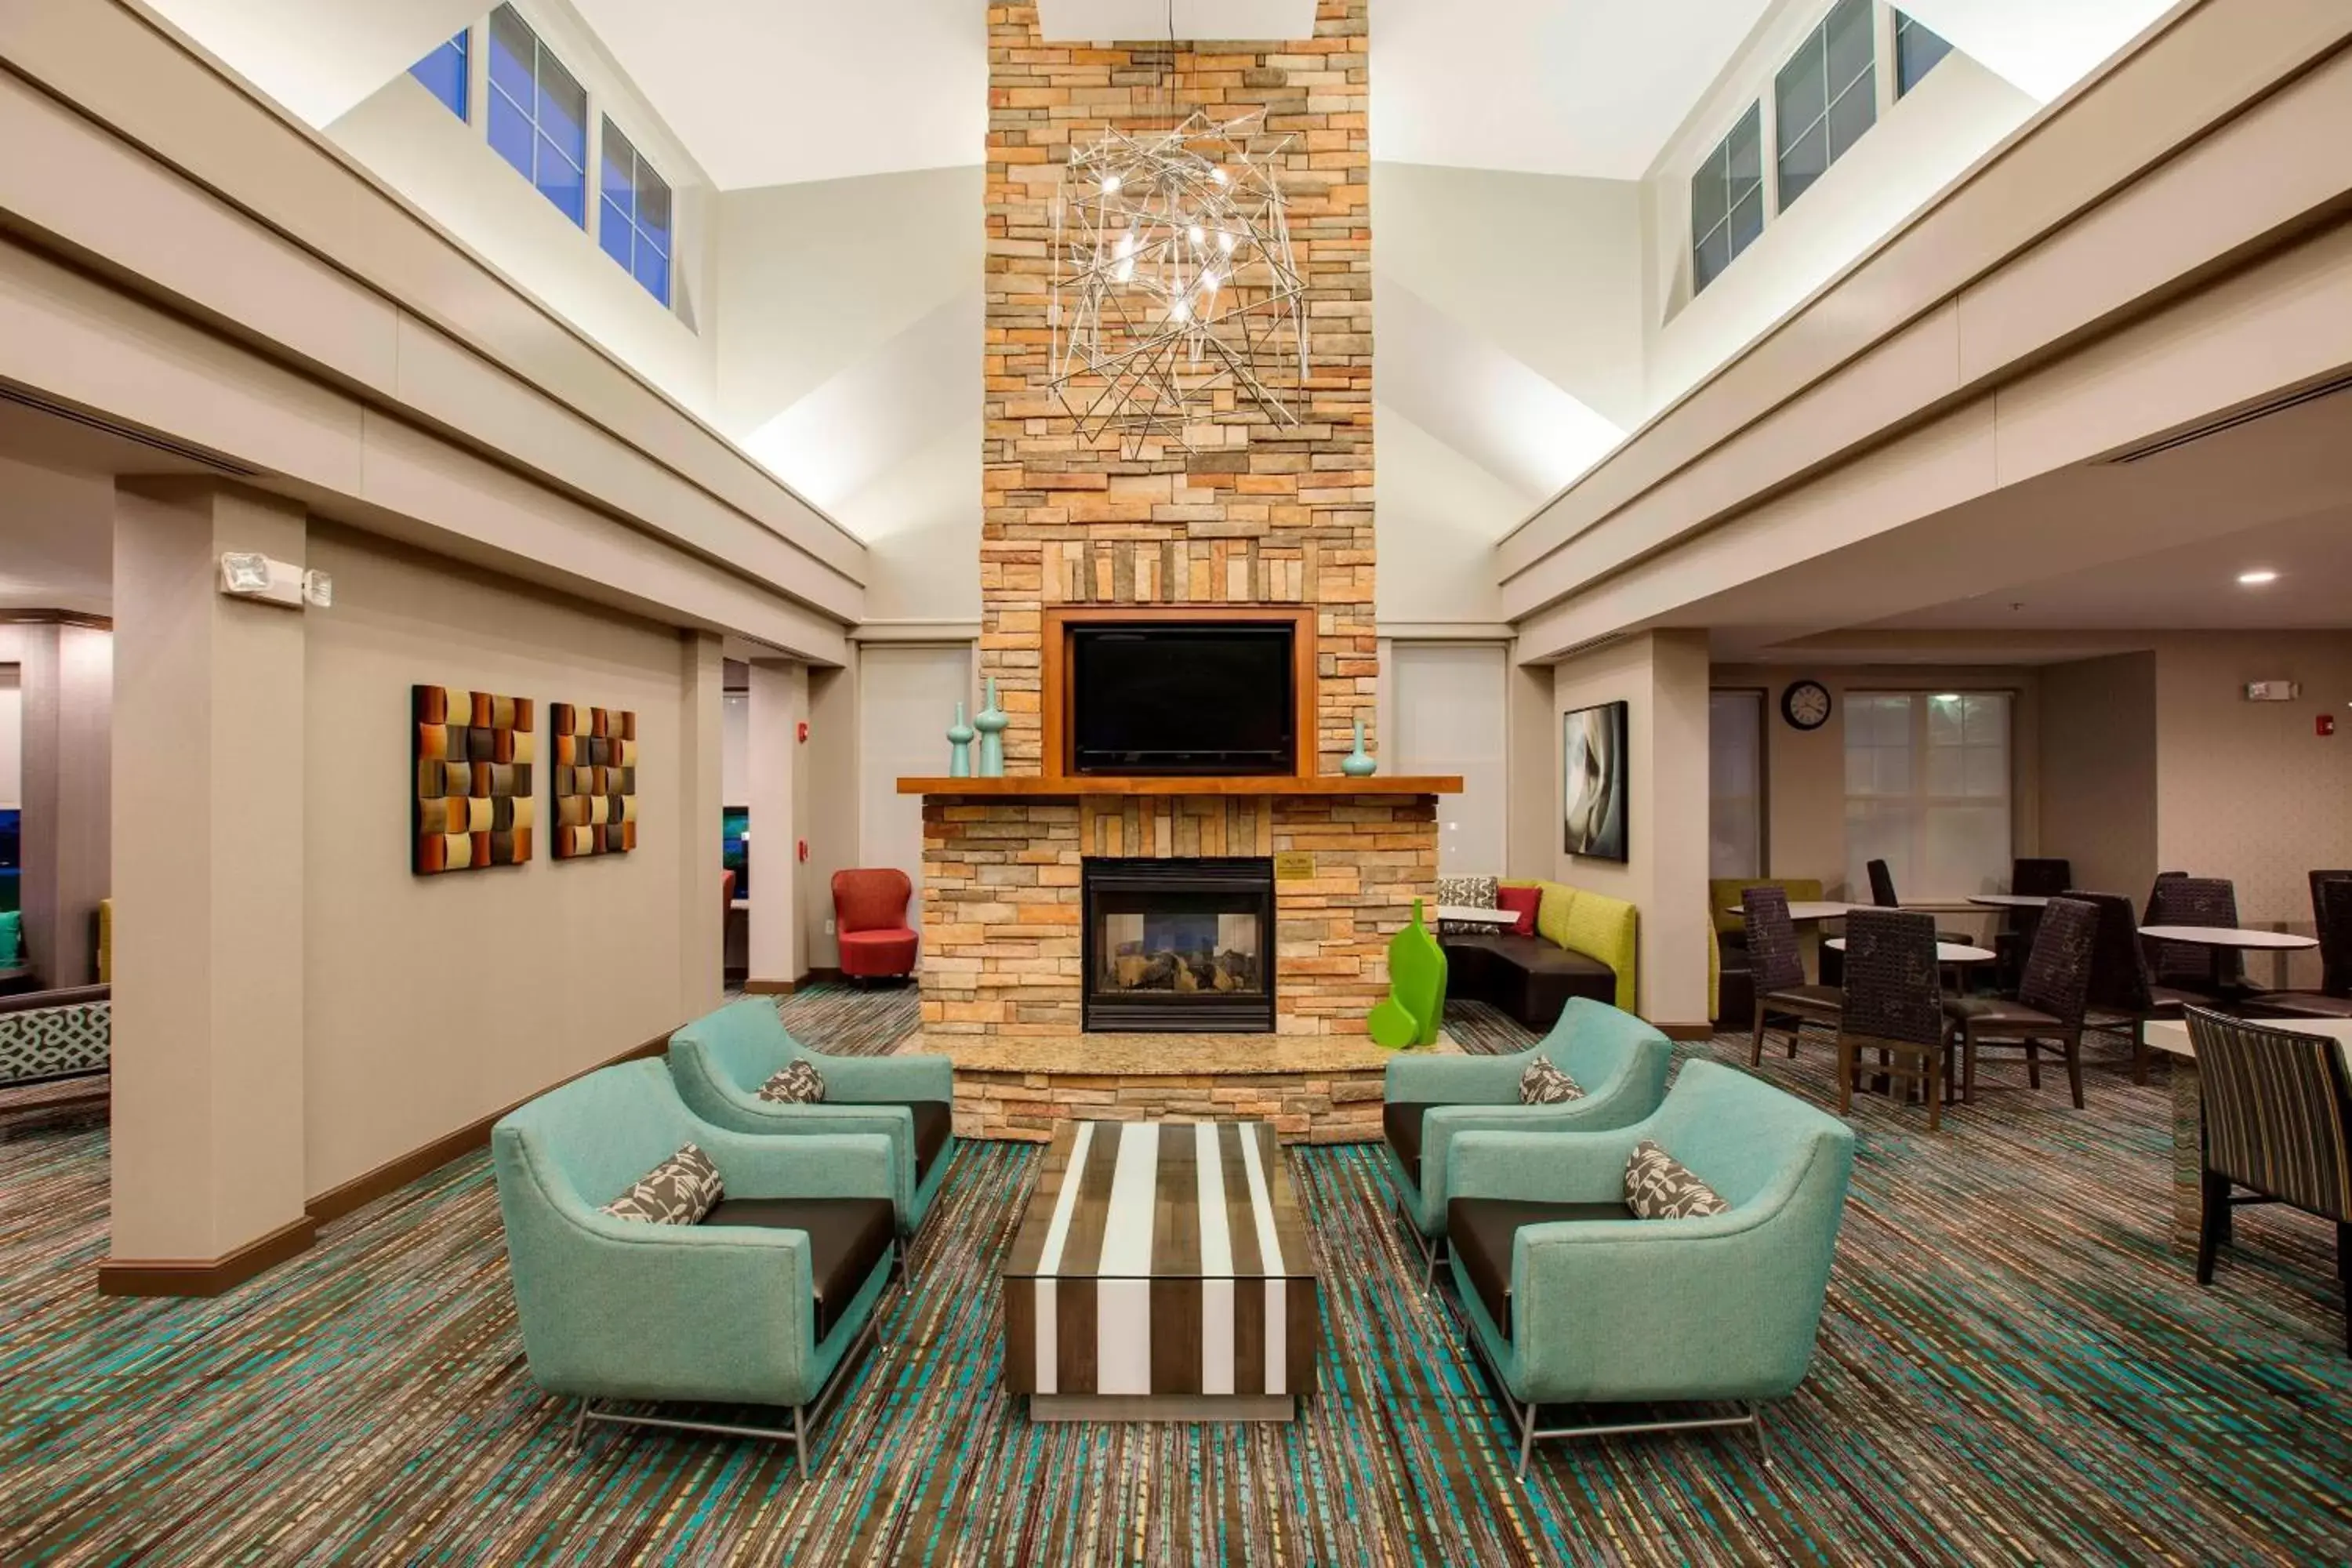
(1037, 787)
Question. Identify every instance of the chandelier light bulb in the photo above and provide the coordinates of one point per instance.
(1179, 312)
(1218, 176)
(1110, 185)
(1126, 244)
(1209, 281)
(1225, 241)
(1196, 234)
(1124, 271)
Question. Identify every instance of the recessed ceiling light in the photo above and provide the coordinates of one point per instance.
(2257, 579)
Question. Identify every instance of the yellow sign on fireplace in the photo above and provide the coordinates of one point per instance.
(1294, 866)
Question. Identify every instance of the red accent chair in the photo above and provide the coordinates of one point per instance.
(869, 908)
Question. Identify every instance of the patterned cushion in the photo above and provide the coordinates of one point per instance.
(679, 1191)
(51, 1042)
(1659, 1186)
(1544, 1084)
(798, 1084)
(1468, 892)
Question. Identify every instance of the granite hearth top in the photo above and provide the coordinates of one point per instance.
(1169, 1055)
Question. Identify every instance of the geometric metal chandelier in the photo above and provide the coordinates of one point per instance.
(1175, 294)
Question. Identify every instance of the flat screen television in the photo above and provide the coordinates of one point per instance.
(1201, 698)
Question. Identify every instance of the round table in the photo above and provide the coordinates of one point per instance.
(2010, 901)
(1946, 952)
(1808, 909)
(2231, 936)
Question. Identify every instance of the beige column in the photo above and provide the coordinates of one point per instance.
(701, 683)
(779, 702)
(1532, 742)
(829, 804)
(67, 682)
(208, 1149)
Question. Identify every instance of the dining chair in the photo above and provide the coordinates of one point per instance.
(1777, 971)
(2213, 972)
(2049, 1004)
(2041, 876)
(2277, 1113)
(1882, 893)
(1893, 1005)
(2331, 910)
(2124, 993)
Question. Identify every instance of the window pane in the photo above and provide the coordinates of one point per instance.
(614, 233)
(562, 109)
(1708, 198)
(511, 133)
(615, 182)
(1712, 255)
(562, 183)
(1735, 783)
(1801, 92)
(1802, 162)
(653, 207)
(1849, 42)
(1748, 219)
(1852, 115)
(1744, 151)
(1917, 50)
(513, 48)
(653, 271)
(443, 72)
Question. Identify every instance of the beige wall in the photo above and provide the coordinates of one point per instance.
(2246, 790)
(432, 1001)
(1804, 771)
(2098, 739)
(1662, 677)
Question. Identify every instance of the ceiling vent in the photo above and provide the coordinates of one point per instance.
(2279, 404)
(131, 433)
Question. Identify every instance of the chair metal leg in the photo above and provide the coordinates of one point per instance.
(2075, 1064)
(2214, 1215)
(579, 1427)
(1763, 1440)
(1527, 1440)
(800, 1439)
(1756, 1038)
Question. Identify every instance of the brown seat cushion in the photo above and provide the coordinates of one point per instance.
(1401, 1120)
(1807, 998)
(1480, 1231)
(847, 1237)
(1986, 1012)
(934, 1121)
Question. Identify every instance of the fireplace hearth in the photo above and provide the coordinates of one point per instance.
(1181, 945)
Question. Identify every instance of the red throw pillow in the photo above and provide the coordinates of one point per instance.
(1522, 903)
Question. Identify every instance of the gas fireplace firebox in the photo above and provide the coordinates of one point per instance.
(1181, 946)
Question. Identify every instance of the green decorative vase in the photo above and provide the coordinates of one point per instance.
(960, 747)
(1416, 1001)
(991, 722)
(1358, 764)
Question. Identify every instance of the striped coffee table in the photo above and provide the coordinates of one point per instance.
(1161, 1274)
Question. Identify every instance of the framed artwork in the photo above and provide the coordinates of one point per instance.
(472, 780)
(596, 764)
(1594, 809)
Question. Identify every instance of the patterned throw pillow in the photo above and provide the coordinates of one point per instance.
(1468, 892)
(1544, 1084)
(679, 1191)
(1659, 1186)
(799, 1084)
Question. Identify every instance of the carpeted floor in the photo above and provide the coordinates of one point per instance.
(2014, 1367)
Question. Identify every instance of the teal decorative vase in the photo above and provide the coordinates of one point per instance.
(1358, 764)
(1416, 1000)
(959, 747)
(991, 722)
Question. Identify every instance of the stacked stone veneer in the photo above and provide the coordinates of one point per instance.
(1254, 514)
(1002, 939)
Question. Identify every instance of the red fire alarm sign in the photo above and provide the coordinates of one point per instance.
(2325, 724)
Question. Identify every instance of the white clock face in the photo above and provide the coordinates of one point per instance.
(1808, 705)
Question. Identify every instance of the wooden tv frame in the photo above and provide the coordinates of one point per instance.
(1054, 673)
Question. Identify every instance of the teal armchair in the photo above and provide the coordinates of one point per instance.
(761, 1304)
(721, 1058)
(1571, 1300)
(1619, 1061)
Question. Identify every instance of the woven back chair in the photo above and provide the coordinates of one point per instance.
(2331, 909)
(1776, 972)
(2278, 1121)
(2058, 970)
(2034, 877)
(1772, 955)
(2049, 1006)
(1882, 885)
(2194, 901)
(1893, 1005)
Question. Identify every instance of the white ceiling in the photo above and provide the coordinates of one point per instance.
(2042, 46)
(767, 92)
(319, 58)
(1544, 87)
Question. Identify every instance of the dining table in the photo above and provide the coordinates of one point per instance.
(2171, 1039)
(2010, 901)
(1804, 910)
(1946, 952)
(1476, 915)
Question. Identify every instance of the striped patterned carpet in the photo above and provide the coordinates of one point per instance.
(2014, 1368)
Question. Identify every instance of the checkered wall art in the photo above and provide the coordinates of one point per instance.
(474, 772)
(595, 780)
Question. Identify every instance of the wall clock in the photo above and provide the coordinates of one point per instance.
(1806, 704)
